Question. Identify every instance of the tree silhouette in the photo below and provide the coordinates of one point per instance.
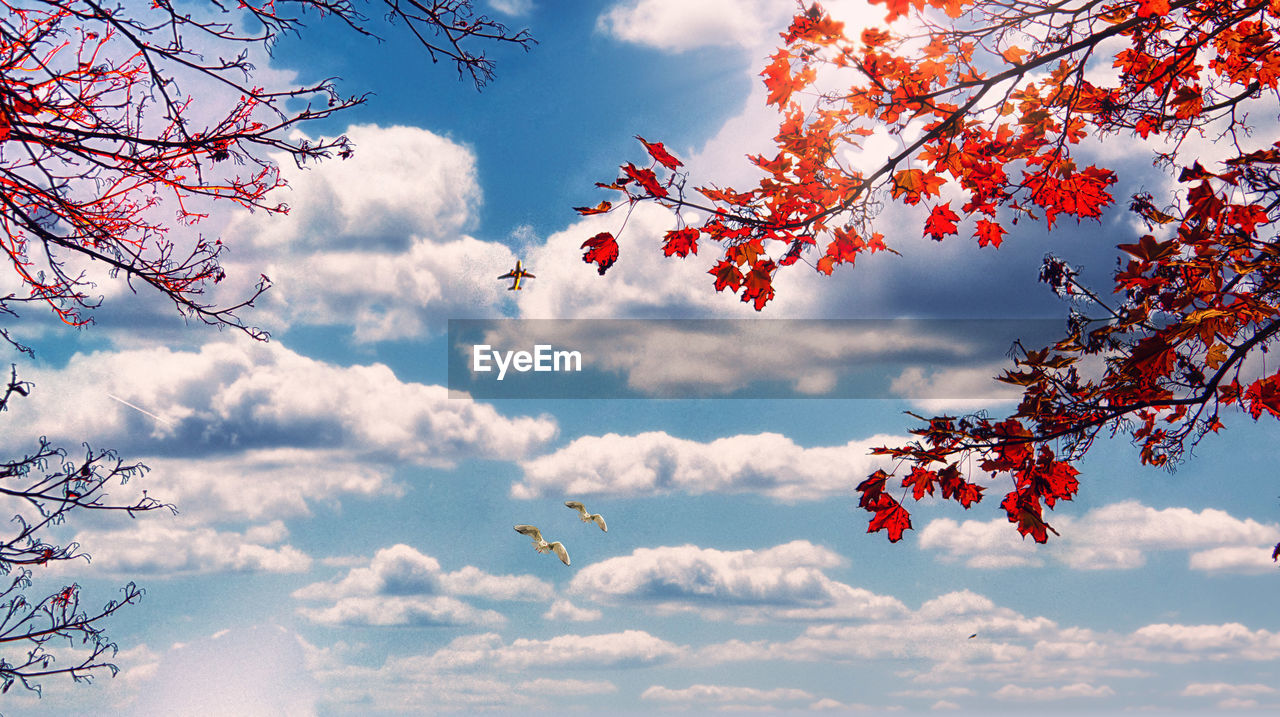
(989, 105)
(121, 126)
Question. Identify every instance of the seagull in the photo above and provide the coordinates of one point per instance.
(541, 545)
(585, 516)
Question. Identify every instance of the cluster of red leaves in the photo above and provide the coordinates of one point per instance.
(989, 129)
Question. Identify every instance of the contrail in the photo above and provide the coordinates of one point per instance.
(140, 410)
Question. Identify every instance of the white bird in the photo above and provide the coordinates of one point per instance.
(585, 516)
(541, 545)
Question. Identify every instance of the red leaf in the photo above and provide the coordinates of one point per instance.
(891, 517)
(660, 154)
(1264, 393)
(603, 250)
(920, 482)
(600, 208)
(727, 275)
(941, 222)
(759, 284)
(645, 178)
(681, 242)
(989, 233)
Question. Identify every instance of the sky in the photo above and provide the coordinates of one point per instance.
(344, 541)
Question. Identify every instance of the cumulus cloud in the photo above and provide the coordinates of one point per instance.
(512, 7)
(626, 649)
(1050, 693)
(677, 26)
(160, 548)
(375, 241)
(247, 430)
(656, 463)
(784, 582)
(413, 610)
(547, 686)
(723, 693)
(565, 610)
(402, 586)
(1113, 537)
(232, 396)
(1165, 642)
(1216, 689)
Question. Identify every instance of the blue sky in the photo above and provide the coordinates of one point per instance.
(345, 542)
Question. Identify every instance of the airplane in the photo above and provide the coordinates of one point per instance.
(517, 274)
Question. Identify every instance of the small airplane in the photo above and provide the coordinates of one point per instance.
(517, 274)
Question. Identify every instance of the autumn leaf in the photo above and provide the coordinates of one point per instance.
(681, 242)
(890, 517)
(758, 285)
(1152, 8)
(912, 184)
(602, 249)
(660, 154)
(989, 233)
(1264, 394)
(600, 208)
(941, 222)
(727, 275)
(646, 179)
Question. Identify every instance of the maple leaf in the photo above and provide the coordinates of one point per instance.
(660, 154)
(681, 242)
(989, 233)
(779, 80)
(1264, 394)
(645, 178)
(891, 517)
(912, 184)
(941, 222)
(727, 275)
(920, 481)
(600, 208)
(602, 249)
(758, 285)
(1152, 8)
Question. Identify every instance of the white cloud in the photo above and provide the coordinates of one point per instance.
(982, 544)
(626, 649)
(414, 610)
(1164, 642)
(565, 610)
(784, 582)
(252, 430)
(402, 586)
(723, 693)
(375, 241)
(242, 395)
(1049, 693)
(1113, 537)
(548, 686)
(656, 463)
(1214, 689)
(954, 389)
(676, 26)
(512, 7)
(1242, 559)
(161, 548)
(826, 703)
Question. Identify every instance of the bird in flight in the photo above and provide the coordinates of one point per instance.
(516, 275)
(541, 545)
(585, 516)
